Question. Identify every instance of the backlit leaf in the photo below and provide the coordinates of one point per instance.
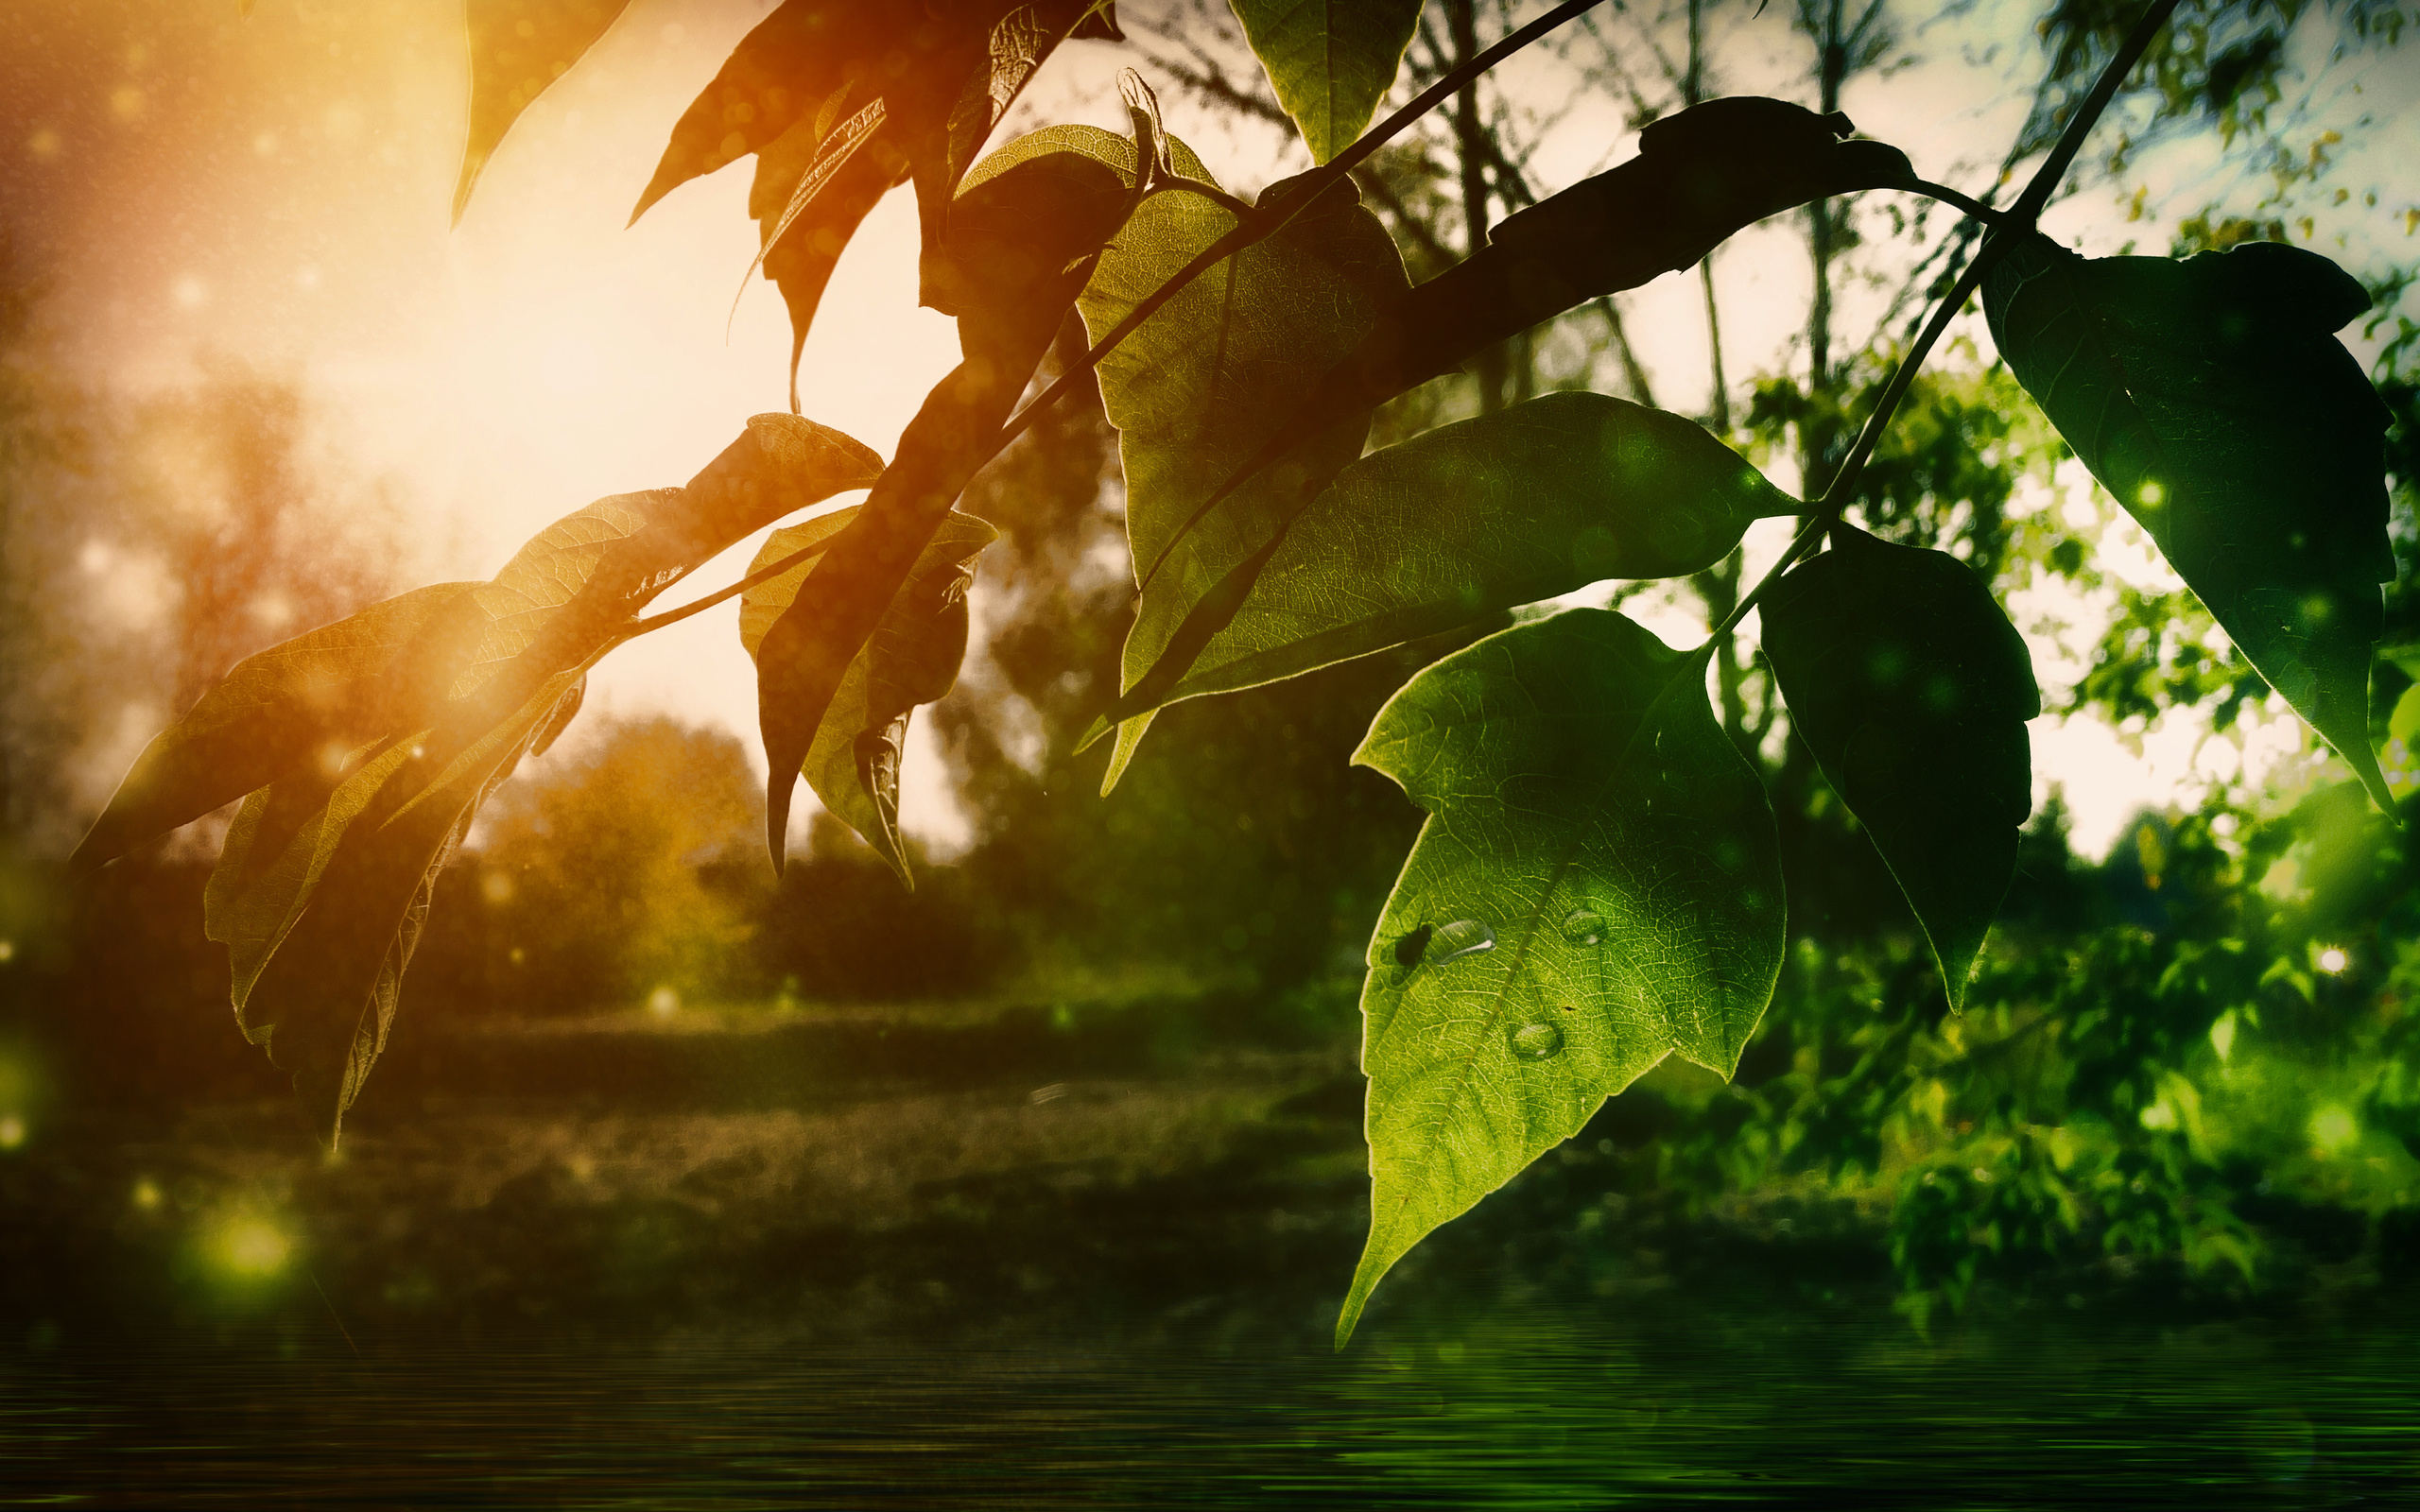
(1330, 60)
(1597, 886)
(1203, 385)
(1913, 689)
(2212, 398)
(326, 874)
(912, 657)
(273, 710)
(842, 100)
(1526, 504)
(518, 47)
(318, 937)
(1022, 240)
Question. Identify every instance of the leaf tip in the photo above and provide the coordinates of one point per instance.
(777, 816)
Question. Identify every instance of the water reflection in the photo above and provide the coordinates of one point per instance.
(1537, 1408)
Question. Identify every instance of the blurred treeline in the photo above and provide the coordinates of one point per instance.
(2199, 1052)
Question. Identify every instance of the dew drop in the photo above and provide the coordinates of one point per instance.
(1583, 926)
(1535, 1042)
(1464, 936)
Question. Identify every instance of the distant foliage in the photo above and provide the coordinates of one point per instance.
(1598, 884)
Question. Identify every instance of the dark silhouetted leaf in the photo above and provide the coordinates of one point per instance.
(1023, 237)
(2212, 398)
(1202, 387)
(1912, 690)
(518, 47)
(842, 100)
(1597, 886)
(1330, 60)
(1701, 175)
(912, 657)
(1466, 521)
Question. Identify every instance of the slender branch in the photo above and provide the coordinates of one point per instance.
(2017, 222)
(1260, 226)
(765, 574)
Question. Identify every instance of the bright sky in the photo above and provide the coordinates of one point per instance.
(277, 189)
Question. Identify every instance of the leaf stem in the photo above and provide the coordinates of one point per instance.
(1965, 204)
(765, 574)
(2007, 227)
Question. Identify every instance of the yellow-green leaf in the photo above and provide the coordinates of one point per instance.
(1597, 886)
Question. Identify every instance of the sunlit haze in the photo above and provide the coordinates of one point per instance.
(276, 190)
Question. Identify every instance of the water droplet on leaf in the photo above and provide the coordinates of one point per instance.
(1536, 1042)
(1464, 936)
(1583, 926)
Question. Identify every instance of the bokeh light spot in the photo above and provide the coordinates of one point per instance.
(663, 1002)
(45, 144)
(2333, 960)
(251, 1246)
(12, 1131)
(2333, 1130)
(147, 1194)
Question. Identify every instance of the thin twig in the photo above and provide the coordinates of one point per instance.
(766, 574)
(1965, 203)
(2017, 222)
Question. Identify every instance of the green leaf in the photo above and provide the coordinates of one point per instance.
(912, 657)
(518, 47)
(1913, 689)
(273, 710)
(1331, 60)
(1022, 242)
(1526, 504)
(1203, 385)
(1597, 886)
(2402, 764)
(2212, 398)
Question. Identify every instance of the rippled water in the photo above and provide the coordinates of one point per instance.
(1538, 1408)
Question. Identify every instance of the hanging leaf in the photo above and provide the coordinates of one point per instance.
(1023, 238)
(1701, 175)
(274, 710)
(1204, 385)
(2212, 398)
(1912, 690)
(319, 934)
(912, 657)
(519, 48)
(367, 745)
(841, 101)
(1464, 521)
(1331, 61)
(1597, 886)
